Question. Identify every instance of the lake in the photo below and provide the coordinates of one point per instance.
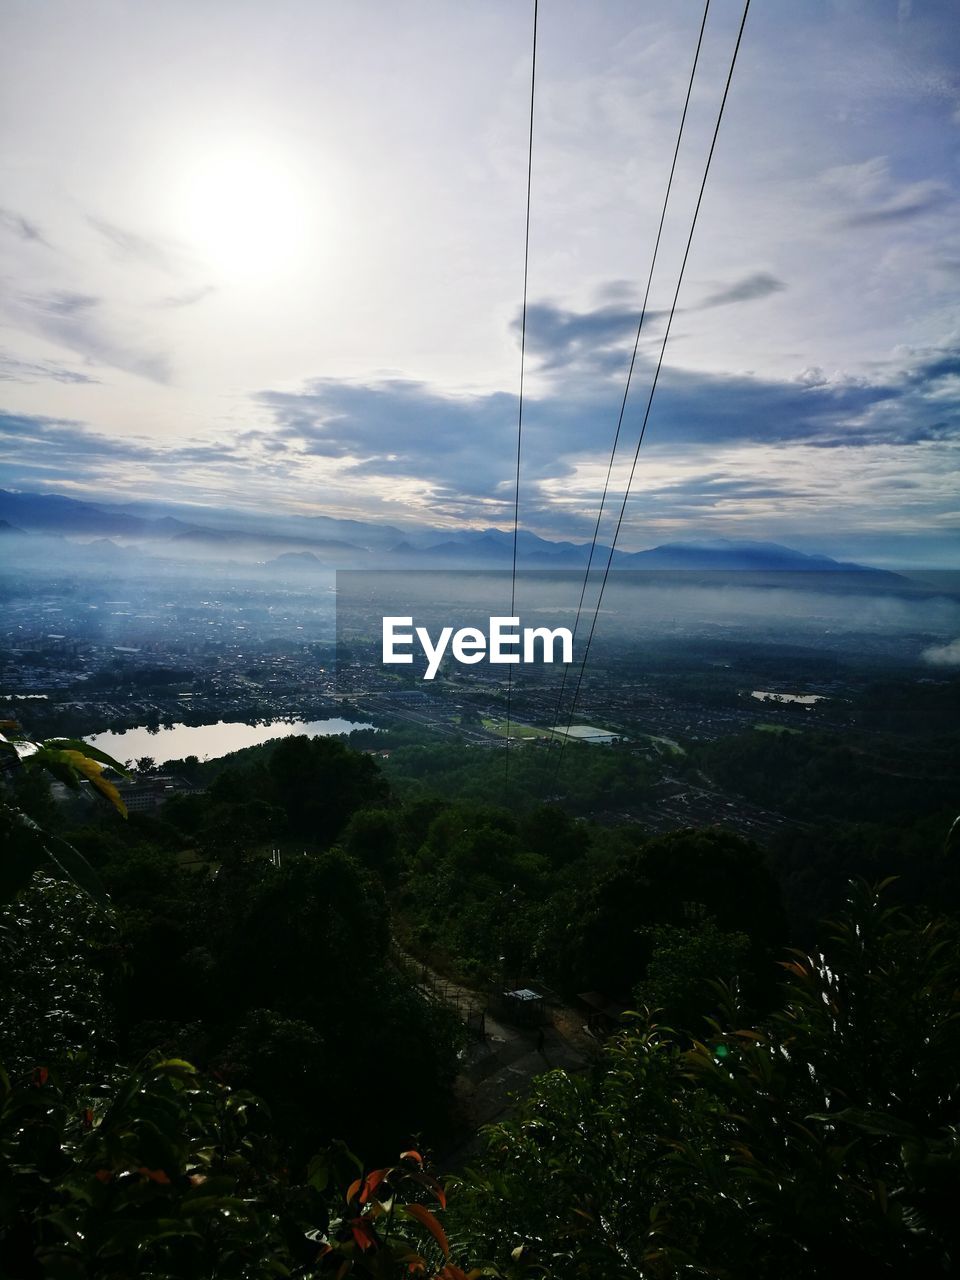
(208, 741)
(803, 699)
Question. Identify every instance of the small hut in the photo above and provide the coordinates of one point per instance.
(523, 1007)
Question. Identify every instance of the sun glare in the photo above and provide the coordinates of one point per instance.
(245, 210)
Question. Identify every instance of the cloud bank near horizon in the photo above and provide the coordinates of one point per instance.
(736, 454)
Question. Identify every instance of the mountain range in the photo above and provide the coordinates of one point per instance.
(301, 544)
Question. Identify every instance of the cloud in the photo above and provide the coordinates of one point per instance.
(22, 227)
(761, 284)
(913, 201)
(560, 337)
(577, 352)
(869, 195)
(188, 299)
(396, 428)
(943, 655)
(26, 371)
(598, 337)
(65, 304)
(724, 455)
(74, 438)
(67, 445)
(161, 254)
(78, 321)
(718, 447)
(42, 450)
(458, 450)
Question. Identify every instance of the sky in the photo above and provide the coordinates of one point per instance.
(271, 256)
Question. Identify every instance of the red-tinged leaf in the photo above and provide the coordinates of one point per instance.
(103, 1175)
(411, 1155)
(40, 1076)
(417, 1267)
(451, 1272)
(353, 1188)
(155, 1175)
(426, 1219)
(371, 1182)
(86, 1118)
(432, 1185)
(363, 1234)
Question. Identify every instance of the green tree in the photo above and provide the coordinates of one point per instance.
(156, 1173)
(319, 783)
(684, 967)
(57, 947)
(821, 1143)
(676, 880)
(373, 838)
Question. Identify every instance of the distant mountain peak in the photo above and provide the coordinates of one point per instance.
(732, 553)
(348, 543)
(296, 557)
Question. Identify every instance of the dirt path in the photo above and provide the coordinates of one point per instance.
(498, 1070)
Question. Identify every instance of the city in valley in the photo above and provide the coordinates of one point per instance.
(180, 658)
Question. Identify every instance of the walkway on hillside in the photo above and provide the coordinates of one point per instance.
(498, 1071)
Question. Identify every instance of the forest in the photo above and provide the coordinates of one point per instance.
(213, 1058)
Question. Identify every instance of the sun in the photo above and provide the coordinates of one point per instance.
(245, 208)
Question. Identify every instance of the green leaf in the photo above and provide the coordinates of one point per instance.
(871, 1122)
(57, 765)
(75, 867)
(29, 847)
(93, 772)
(23, 854)
(85, 749)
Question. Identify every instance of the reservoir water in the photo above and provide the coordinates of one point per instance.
(802, 699)
(208, 741)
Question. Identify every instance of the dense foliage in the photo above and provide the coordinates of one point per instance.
(162, 1172)
(201, 1015)
(820, 1142)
